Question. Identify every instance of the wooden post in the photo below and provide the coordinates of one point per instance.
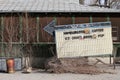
(2, 29)
(108, 18)
(73, 20)
(27, 28)
(110, 58)
(91, 19)
(37, 27)
(20, 23)
(114, 56)
(55, 20)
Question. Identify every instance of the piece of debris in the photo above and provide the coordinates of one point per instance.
(71, 65)
(98, 60)
(27, 70)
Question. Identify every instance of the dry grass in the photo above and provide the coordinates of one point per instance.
(72, 65)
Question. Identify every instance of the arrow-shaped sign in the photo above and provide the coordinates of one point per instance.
(50, 27)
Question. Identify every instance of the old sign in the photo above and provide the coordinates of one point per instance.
(90, 39)
(50, 27)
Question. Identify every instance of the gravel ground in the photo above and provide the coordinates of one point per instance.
(41, 75)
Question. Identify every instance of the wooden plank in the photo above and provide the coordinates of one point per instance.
(37, 18)
(20, 23)
(91, 19)
(108, 18)
(99, 19)
(82, 19)
(2, 29)
(73, 19)
(27, 27)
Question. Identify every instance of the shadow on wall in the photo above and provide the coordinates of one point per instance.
(41, 53)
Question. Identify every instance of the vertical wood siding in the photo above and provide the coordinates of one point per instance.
(32, 27)
(62, 20)
(36, 22)
(44, 36)
(116, 27)
(99, 19)
(80, 20)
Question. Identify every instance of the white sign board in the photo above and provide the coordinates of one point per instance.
(78, 40)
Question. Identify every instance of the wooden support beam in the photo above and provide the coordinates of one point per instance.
(20, 23)
(108, 18)
(27, 26)
(91, 19)
(114, 55)
(37, 27)
(55, 20)
(98, 60)
(2, 30)
(73, 19)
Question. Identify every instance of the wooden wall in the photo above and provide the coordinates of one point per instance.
(24, 28)
(29, 27)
